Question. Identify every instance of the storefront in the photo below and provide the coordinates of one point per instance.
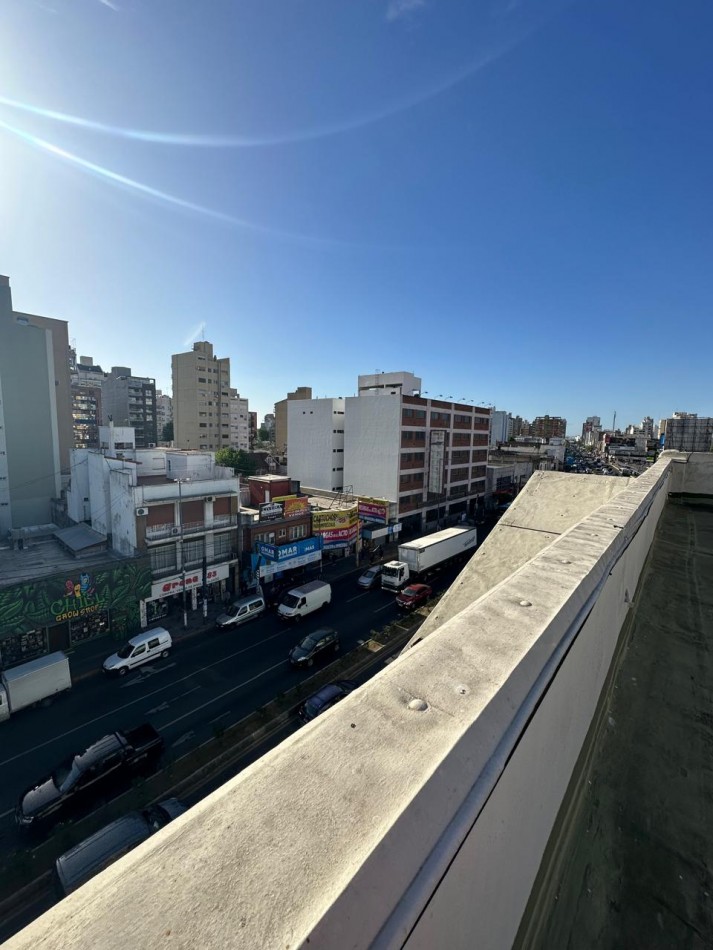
(63, 610)
(275, 565)
(167, 593)
(338, 529)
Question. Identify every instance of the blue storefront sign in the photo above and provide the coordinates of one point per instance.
(284, 552)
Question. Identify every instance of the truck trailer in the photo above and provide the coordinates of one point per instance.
(417, 559)
(33, 683)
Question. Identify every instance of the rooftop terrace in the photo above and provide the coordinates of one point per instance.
(534, 772)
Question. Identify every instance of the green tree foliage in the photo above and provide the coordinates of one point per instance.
(167, 432)
(236, 459)
(263, 434)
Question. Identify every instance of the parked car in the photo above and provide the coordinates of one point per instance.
(370, 578)
(324, 699)
(243, 610)
(413, 596)
(83, 778)
(98, 851)
(314, 646)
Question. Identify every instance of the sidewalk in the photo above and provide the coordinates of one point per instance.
(86, 659)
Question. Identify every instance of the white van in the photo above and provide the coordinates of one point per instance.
(247, 608)
(142, 648)
(300, 601)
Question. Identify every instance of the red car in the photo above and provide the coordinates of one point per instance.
(413, 596)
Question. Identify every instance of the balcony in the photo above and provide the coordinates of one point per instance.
(160, 532)
(534, 771)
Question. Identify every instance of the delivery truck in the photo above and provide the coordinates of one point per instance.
(33, 683)
(422, 557)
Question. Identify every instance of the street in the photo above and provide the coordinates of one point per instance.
(207, 684)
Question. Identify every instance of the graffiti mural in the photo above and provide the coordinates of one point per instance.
(116, 588)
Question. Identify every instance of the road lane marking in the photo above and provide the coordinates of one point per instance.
(363, 594)
(167, 725)
(184, 738)
(6, 813)
(133, 702)
(376, 612)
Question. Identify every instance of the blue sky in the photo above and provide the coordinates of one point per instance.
(511, 198)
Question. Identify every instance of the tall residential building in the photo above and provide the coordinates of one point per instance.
(427, 455)
(548, 427)
(164, 413)
(686, 432)
(252, 421)
(647, 427)
(86, 415)
(239, 422)
(30, 447)
(591, 427)
(500, 426)
(201, 399)
(131, 401)
(302, 392)
(519, 426)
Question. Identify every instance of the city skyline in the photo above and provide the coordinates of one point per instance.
(460, 191)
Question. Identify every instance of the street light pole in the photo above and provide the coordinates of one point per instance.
(183, 559)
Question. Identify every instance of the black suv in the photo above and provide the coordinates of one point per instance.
(314, 646)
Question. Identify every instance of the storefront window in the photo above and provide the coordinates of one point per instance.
(89, 627)
(156, 610)
(22, 647)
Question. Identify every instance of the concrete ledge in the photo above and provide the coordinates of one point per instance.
(416, 812)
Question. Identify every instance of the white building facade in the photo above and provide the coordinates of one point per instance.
(239, 421)
(315, 442)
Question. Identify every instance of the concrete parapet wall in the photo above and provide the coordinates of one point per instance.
(416, 812)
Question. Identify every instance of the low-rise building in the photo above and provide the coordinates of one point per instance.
(177, 508)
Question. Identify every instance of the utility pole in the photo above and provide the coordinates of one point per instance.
(183, 559)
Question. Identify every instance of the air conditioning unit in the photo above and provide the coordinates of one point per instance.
(141, 511)
(175, 531)
(152, 445)
(209, 498)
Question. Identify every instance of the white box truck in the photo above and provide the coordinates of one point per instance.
(33, 682)
(300, 601)
(417, 559)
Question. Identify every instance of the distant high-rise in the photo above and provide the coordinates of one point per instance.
(302, 392)
(34, 384)
(201, 399)
(129, 400)
(500, 426)
(591, 428)
(686, 432)
(549, 427)
(164, 413)
(239, 422)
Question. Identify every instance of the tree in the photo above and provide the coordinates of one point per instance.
(263, 434)
(167, 432)
(239, 461)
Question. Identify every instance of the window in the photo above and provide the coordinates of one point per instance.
(201, 379)
(298, 531)
(414, 413)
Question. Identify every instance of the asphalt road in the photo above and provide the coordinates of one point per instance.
(207, 683)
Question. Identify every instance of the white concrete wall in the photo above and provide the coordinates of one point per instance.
(77, 508)
(372, 445)
(311, 442)
(123, 512)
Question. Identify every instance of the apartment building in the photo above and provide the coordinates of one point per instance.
(500, 426)
(30, 447)
(129, 400)
(686, 432)
(547, 427)
(201, 399)
(427, 455)
(302, 392)
(164, 414)
(239, 422)
(86, 415)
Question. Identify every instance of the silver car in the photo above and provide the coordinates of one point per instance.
(371, 577)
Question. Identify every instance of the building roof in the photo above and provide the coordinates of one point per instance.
(47, 557)
(80, 538)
